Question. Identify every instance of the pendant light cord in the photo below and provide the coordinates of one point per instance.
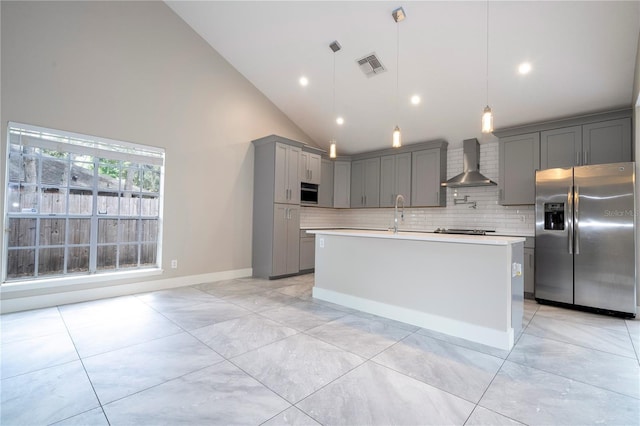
(487, 64)
(333, 118)
(397, 71)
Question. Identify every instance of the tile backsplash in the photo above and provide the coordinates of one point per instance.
(488, 214)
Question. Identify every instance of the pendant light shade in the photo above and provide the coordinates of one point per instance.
(487, 120)
(397, 138)
(398, 16)
(332, 148)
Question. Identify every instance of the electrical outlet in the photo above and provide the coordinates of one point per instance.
(321, 242)
(174, 264)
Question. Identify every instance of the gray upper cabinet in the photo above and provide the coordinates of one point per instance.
(427, 173)
(325, 190)
(519, 160)
(310, 168)
(365, 183)
(607, 141)
(561, 147)
(287, 180)
(395, 178)
(342, 184)
(595, 143)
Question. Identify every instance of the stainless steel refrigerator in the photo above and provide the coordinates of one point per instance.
(585, 237)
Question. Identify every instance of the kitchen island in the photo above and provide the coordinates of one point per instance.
(465, 286)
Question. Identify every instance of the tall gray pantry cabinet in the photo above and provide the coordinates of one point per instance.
(276, 207)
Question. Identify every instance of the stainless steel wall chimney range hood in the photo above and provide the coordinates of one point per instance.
(470, 175)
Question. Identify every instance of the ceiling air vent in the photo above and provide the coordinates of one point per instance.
(371, 65)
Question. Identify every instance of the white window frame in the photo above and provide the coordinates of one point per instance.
(98, 147)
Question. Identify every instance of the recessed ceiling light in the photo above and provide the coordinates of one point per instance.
(304, 81)
(340, 121)
(524, 68)
(415, 99)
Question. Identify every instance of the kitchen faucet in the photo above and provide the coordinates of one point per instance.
(399, 198)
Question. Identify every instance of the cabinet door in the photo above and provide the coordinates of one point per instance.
(529, 268)
(372, 182)
(293, 240)
(425, 178)
(280, 226)
(307, 253)
(607, 142)
(561, 148)
(325, 190)
(342, 184)
(281, 178)
(315, 169)
(293, 174)
(387, 180)
(357, 184)
(519, 160)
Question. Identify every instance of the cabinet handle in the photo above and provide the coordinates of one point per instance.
(311, 174)
(586, 157)
(500, 196)
(578, 158)
(365, 200)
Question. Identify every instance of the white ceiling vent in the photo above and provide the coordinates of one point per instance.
(371, 65)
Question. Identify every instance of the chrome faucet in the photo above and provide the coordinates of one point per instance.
(399, 198)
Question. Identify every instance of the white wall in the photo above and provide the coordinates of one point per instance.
(134, 71)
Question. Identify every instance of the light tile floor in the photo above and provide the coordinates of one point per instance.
(251, 352)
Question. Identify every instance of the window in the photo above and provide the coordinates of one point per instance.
(78, 204)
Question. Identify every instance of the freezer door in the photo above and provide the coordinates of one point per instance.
(554, 248)
(605, 237)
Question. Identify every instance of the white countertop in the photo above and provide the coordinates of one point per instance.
(422, 236)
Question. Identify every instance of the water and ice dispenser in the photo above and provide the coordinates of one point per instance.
(554, 216)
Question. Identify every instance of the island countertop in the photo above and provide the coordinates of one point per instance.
(422, 236)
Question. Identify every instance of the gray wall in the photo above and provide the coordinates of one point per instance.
(134, 71)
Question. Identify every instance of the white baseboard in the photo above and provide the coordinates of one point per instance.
(16, 304)
(475, 333)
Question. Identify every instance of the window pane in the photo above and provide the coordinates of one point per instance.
(149, 230)
(108, 203)
(22, 166)
(79, 231)
(52, 232)
(128, 230)
(107, 257)
(80, 202)
(22, 232)
(129, 204)
(131, 178)
(21, 263)
(151, 181)
(150, 206)
(51, 261)
(55, 171)
(108, 231)
(53, 201)
(81, 174)
(148, 254)
(109, 174)
(128, 256)
(78, 260)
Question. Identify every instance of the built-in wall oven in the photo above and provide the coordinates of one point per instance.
(308, 193)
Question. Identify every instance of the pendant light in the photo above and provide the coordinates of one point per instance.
(335, 46)
(398, 16)
(487, 114)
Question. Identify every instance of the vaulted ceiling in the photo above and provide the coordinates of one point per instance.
(582, 56)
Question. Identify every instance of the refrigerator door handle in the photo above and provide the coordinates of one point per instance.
(576, 219)
(569, 219)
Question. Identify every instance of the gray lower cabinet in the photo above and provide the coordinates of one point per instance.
(286, 240)
(529, 265)
(325, 189)
(342, 184)
(307, 251)
(519, 159)
(427, 173)
(365, 183)
(395, 178)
